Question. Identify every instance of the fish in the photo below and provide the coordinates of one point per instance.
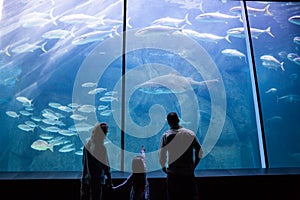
(38, 19)
(81, 19)
(27, 48)
(12, 114)
(106, 112)
(216, 17)
(155, 30)
(95, 36)
(89, 84)
(294, 19)
(78, 117)
(252, 11)
(206, 37)
(25, 127)
(24, 100)
(108, 98)
(170, 84)
(296, 40)
(42, 145)
(291, 98)
(297, 60)
(240, 32)
(97, 90)
(234, 53)
(87, 108)
(271, 90)
(174, 22)
(56, 34)
(271, 62)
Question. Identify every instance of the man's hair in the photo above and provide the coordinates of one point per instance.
(173, 118)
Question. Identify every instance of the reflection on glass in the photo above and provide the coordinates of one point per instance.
(62, 70)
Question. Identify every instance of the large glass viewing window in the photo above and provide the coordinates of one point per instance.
(228, 68)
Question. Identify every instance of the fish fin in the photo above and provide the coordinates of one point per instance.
(227, 38)
(43, 47)
(281, 66)
(52, 17)
(186, 18)
(269, 32)
(127, 23)
(7, 50)
(51, 145)
(267, 10)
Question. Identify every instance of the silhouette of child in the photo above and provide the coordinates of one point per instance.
(137, 180)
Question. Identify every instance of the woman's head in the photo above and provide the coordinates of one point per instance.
(99, 132)
(138, 165)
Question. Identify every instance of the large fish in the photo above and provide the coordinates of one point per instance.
(42, 145)
(171, 83)
(271, 62)
(295, 19)
(169, 21)
(206, 37)
(252, 11)
(240, 32)
(156, 30)
(95, 36)
(216, 17)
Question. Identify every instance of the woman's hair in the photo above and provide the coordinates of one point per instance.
(98, 134)
(139, 173)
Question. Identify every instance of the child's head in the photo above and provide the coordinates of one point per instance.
(138, 165)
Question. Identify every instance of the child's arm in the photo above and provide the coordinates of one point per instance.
(126, 184)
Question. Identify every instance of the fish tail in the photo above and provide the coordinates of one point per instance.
(7, 51)
(227, 38)
(52, 17)
(186, 18)
(269, 31)
(51, 145)
(281, 66)
(267, 10)
(127, 22)
(43, 47)
(115, 30)
(73, 32)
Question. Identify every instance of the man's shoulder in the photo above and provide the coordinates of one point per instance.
(186, 130)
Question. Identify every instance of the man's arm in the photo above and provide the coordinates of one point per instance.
(162, 154)
(198, 151)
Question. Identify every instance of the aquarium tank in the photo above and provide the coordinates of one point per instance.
(228, 68)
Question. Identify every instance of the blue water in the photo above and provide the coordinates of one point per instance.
(55, 70)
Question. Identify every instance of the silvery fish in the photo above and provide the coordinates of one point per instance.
(25, 127)
(95, 36)
(240, 32)
(295, 19)
(174, 22)
(252, 11)
(156, 30)
(24, 100)
(56, 34)
(27, 47)
(42, 145)
(80, 18)
(12, 114)
(206, 37)
(271, 62)
(170, 83)
(89, 84)
(216, 17)
(233, 53)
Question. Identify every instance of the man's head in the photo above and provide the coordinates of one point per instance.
(173, 119)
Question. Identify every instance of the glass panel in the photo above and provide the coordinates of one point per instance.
(56, 81)
(185, 56)
(276, 52)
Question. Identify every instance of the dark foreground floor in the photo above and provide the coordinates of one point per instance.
(229, 184)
